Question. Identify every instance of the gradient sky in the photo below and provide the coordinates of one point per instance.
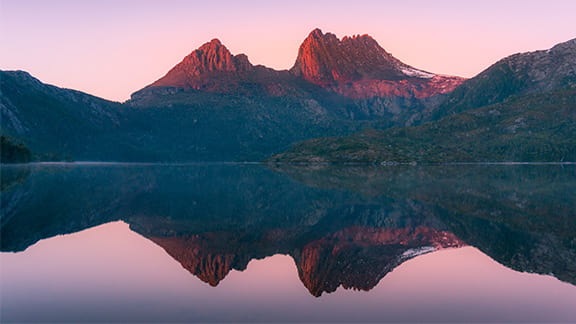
(111, 48)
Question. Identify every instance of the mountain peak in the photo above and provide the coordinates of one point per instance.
(325, 59)
(317, 32)
(210, 58)
(214, 44)
(215, 41)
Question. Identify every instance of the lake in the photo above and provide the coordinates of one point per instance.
(288, 243)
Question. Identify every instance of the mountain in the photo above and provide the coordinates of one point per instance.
(212, 68)
(519, 74)
(523, 108)
(358, 67)
(63, 124)
(216, 106)
(57, 123)
(210, 58)
(354, 78)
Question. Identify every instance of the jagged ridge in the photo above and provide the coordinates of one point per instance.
(356, 67)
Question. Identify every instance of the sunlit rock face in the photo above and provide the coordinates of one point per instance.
(209, 58)
(213, 68)
(355, 67)
(358, 67)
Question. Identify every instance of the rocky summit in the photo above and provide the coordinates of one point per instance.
(325, 59)
(212, 68)
(212, 57)
(358, 67)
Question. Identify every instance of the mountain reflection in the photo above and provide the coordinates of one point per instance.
(354, 257)
(343, 226)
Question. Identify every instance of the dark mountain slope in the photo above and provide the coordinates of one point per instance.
(197, 126)
(537, 128)
(56, 123)
(519, 74)
(186, 125)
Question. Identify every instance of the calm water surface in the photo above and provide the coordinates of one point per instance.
(250, 243)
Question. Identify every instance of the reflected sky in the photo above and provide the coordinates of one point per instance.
(109, 273)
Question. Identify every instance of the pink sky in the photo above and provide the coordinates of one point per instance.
(113, 48)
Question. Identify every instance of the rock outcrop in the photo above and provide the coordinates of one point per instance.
(211, 58)
(212, 68)
(358, 67)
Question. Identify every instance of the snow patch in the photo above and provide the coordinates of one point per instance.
(416, 73)
(419, 251)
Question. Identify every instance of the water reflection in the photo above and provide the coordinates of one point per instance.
(111, 274)
(343, 226)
